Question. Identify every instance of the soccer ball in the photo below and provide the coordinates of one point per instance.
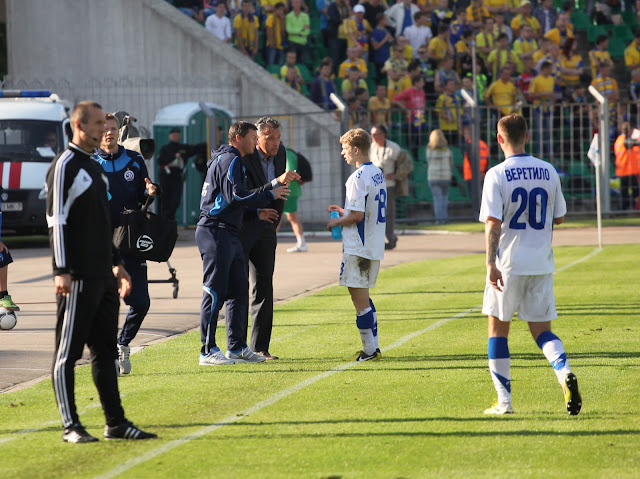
(8, 319)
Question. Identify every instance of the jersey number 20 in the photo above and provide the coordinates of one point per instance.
(381, 198)
(538, 197)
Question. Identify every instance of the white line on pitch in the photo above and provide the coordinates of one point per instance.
(266, 402)
(584, 258)
(121, 468)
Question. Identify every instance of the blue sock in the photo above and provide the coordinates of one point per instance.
(500, 367)
(553, 350)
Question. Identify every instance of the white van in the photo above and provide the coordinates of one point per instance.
(34, 128)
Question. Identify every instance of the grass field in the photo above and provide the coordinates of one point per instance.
(417, 413)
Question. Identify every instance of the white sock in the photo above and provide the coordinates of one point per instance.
(301, 241)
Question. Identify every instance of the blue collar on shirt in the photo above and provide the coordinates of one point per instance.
(517, 155)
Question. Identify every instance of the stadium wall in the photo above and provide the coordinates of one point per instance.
(143, 55)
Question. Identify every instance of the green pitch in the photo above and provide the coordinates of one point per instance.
(417, 413)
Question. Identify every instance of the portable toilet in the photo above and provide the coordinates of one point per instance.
(199, 122)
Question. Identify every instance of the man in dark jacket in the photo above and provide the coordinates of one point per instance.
(87, 278)
(172, 158)
(265, 170)
(129, 187)
(224, 200)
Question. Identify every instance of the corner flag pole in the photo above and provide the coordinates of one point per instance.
(602, 149)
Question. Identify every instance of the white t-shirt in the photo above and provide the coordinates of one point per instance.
(219, 26)
(524, 192)
(417, 36)
(366, 192)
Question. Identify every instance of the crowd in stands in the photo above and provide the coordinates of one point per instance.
(417, 55)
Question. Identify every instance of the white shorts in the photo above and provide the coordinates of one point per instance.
(358, 272)
(530, 295)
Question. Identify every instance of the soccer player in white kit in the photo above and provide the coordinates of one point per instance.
(521, 201)
(363, 229)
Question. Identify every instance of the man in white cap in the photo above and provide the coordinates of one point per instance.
(358, 30)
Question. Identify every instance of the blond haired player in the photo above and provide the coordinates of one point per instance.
(521, 201)
(363, 228)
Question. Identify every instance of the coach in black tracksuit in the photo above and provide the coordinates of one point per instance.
(87, 278)
(265, 169)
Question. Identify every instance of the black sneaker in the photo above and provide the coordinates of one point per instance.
(571, 394)
(77, 434)
(126, 430)
(361, 356)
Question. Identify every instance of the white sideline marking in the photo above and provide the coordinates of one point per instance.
(585, 258)
(116, 471)
(121, 468)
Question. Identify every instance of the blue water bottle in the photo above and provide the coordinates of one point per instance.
(336, 231)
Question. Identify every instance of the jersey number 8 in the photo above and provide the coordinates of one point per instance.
(381, 198)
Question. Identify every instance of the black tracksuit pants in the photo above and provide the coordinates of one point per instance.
(88, 315)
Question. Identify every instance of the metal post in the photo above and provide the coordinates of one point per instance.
(344, 123)
(602, 160)
(603, 117)
(474, 154)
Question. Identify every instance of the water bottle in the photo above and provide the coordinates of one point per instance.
(336, 231)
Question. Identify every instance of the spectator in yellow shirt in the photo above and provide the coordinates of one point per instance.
(542, 91)
(500, 26)
(245, 25)
(524, 47)
(501, 94)
(476, 13)
(358, 30)
(290, 64)
(440, 45)
(449, 112)
(486, 40)
(291, 79)
(572, 66)
(632, 53)
(525, 17)
(396, 70)
(353, 59)
(599, 54)
(352, 82)
(608, 87)
(501, 56)
(561, 32)
(380, 107)
(545, 45)
(276, 34)
(497, 6)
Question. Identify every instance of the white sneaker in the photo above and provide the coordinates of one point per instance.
(214, 358)
(123, 358)
(299, 248)
(245, 355)
(499, 409)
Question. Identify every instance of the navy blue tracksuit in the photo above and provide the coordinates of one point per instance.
(222, 206)
(126, 171)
